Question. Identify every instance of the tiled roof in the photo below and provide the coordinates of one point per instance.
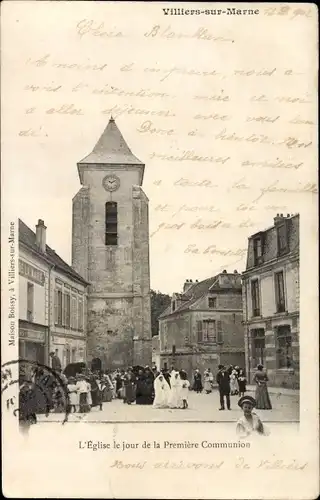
(194, 293)
(28, 238)
(111, 148)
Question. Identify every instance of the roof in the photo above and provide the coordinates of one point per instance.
(269, 242)
(195, 292)
(111, 148)
(28, 238)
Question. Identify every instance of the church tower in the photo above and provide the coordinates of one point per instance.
(110, 249)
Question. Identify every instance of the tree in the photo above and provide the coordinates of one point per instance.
(159, 302)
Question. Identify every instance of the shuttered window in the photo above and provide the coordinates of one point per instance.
(30, 301)
(212, 336)
(255, 298)
(279, 292)
(199, 331)
(80, 315)
(209, 331)
(219, 333)
(55, 307)
(58, 306)
(74, 313)
(67, 309)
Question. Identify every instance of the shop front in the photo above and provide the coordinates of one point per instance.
(68, 349)
(33, 342)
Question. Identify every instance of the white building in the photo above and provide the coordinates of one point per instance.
(52, 302)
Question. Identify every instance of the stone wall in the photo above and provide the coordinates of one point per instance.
(80, 231)
(119, 310)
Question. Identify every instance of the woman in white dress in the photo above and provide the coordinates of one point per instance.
(175, 397)
(234, 386)
(208, 381)
(162, 391)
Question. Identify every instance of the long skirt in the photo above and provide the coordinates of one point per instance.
(197, 385)
(207, 386)
(242, 386)
(96, 397)
(262, 398)
(84, 407)
(106, 394)
(129, 393)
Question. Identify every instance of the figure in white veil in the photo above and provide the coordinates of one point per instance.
(161, 392)
(175, 397)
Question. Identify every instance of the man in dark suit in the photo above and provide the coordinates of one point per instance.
(223, 381)
(55, 361)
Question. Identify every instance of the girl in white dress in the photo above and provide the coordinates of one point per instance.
(161, 391)
(83, 390)
(73, 395)
(175, 399)
(249, 423)
(234, 386)
(185, 384)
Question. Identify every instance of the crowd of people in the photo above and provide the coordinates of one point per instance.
(51, 391)
(232, 381)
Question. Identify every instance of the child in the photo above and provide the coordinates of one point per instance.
(242, 381)
(250, 422)
(73, 395)
(234, 386)
(184, 389)
(82, 389)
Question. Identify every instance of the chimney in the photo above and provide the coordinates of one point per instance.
(278, 218)
(187, 285)
(224, 271)
(41, 235)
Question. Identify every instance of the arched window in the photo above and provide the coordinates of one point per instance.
(111, 223)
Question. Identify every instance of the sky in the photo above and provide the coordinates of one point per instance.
(226, 131)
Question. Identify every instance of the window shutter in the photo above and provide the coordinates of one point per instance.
(199, 331)
(56, 307)
(80, 315)
(64, 309)
(219, 333)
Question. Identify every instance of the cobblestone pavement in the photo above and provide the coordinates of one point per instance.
(202, 408)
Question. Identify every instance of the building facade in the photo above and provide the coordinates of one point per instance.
(52, 302)
(110, 249)
(202, 327)
(271, 302)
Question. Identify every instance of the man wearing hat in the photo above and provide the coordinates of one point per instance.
(223, 381)
(250, 422)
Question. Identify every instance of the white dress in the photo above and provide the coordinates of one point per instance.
(185, 384)
(246, 427)
(89, 398)
(161, 391)
(175, 399)
(208, 379)
(234, 386)
(73, 394)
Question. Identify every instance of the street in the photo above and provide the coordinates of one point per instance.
(202, 408)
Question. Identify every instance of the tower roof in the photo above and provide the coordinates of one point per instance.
(111, 148)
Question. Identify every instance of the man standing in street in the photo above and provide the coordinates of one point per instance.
(223, 381)
(55, 361)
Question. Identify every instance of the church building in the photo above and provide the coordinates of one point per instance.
(110, 249)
